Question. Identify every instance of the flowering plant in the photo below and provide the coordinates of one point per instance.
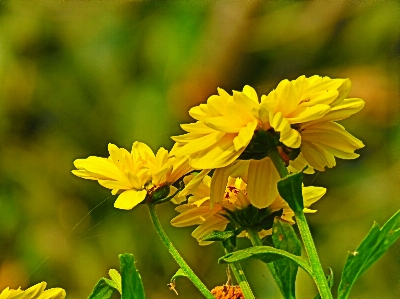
(238, 172)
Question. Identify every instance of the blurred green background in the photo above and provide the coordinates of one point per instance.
(75, 76)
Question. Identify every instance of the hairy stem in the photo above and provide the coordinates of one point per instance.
(318, 273)
(175, 254)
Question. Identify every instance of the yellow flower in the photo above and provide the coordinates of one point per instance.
(35, 292)
(133, 175)
(224, 127)
(235, 199)
(324, 139)
(227, 123)
(301, 100)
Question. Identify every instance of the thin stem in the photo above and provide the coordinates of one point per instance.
(256, 241)
(318, 272)
(241, 278)
(278, 162)
(175, 254)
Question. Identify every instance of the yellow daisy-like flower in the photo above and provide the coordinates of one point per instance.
(235, 199)
(133, 175)
(301, 100)
(227, 123)
(224, 127)
(35, 292)
(324, 139)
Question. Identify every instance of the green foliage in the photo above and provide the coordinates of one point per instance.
(179, 273)
(128, 284)
(290, 188)
(263, 253)
(132, 286)
(284, 237)
(374, 245)
(104, 289)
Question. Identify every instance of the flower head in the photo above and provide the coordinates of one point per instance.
(235, 207)
(35, 292)
(224, 127)
(133, 175)
(297, 115)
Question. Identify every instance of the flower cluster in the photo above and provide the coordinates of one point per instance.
(302, 112)
(233, 136)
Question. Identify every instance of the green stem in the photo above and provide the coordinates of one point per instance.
(256, 241)
(318, 272)
(241, 278)
(175, 254)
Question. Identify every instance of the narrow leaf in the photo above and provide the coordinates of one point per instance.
(374, 245)
(116, 278)
(262, 253)
(132, 286)
(284, 237)
(179, 273)
(104, 289)
(290, 188)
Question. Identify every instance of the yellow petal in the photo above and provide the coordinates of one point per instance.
(197, 127)
(316, 156)
(262, 182)
(122, 185)
(194, 183)
(214, 223)
(129, 199)
(219, 155)
(216, 106)
(224, 124)
(251, 93)
(308, 113)
(55, 293)
(218, 184)
(244, 136)
(347, 108)
(194, 216)
(199, 144)
(312, 194)
(99, 166)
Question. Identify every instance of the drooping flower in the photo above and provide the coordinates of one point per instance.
(35, 292)
(324, 139)
(133, 175)
(301, 100)
(236, 201)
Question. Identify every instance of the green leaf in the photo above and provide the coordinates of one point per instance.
(179, 273)
(132, 286)
(104, 289)
(116, 278)
(329, 280)
(220, 236)
(374, 245)
(263, 253)
(291, 190)
(284, 237)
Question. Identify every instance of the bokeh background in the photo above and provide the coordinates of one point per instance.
(75, 76)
